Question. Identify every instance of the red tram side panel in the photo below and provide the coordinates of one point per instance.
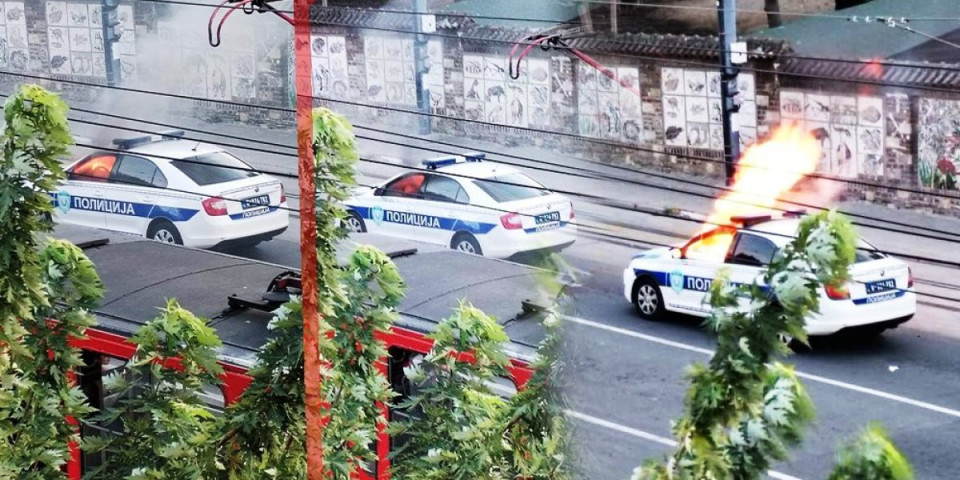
(213, 285)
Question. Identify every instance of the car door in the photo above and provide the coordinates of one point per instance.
(393, 211)
(445, 198)
(79, 200)
(749, 256)
(700, 260)
(132, 194)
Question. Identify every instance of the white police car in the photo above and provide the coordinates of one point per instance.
(467, 204)
(173, 191)
(878, 296)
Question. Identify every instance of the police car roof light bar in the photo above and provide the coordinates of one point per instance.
(475, 156)
(434, 163)
(747, 221)
(128, 143)
(796, 213)
(172, 134)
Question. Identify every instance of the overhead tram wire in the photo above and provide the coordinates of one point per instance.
(382, 107)
(598, 199)
(634, 209)
(632, 182)
(849, 18)
(290, 110)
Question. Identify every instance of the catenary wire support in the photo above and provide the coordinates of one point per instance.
(248, 7)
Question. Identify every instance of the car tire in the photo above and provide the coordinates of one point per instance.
(355, 223)
(164, 231)
(467, 243)
(647, 299)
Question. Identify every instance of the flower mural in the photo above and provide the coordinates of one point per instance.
(939, 144)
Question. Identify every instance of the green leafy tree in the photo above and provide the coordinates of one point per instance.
(872, 456)
(536, 437)
(165, 428)
(742, 412)
(38, 281)
(353, 385)
(458, 434)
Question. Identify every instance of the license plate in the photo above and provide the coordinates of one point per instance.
(547, 218)
(254, 202)
(881, 286)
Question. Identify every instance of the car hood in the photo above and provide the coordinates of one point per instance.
(659, 252)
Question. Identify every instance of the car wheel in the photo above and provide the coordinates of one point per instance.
(647, 299)
(164, 232)
(354, 223)
(466, 243)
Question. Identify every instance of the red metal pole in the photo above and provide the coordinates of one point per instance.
(308, 238)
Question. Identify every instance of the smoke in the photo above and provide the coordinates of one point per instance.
(174, 57)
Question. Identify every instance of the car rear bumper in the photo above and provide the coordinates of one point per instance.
(204, 231)
(507, 244)
(843, 315)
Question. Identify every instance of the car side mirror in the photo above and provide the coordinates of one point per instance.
(378, 192)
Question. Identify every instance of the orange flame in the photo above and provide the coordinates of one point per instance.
(766, 172)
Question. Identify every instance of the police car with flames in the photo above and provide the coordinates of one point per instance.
(468, 204)
(174, 191)
(878, 296)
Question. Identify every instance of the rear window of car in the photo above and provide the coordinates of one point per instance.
(215, 167)
(511, 187)
(866, 253)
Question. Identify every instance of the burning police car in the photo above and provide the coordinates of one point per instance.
(173, 191)
(469, 205)
(878, 296)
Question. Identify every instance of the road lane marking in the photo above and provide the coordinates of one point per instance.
(669, 442)
(807, 376)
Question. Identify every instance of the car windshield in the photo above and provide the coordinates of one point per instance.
(215, 167)
(511, 187)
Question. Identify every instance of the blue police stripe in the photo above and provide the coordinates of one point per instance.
(696, 284)
(118, 207)
(428, 221)
(252, 213)
(880, 298)
(545, 228)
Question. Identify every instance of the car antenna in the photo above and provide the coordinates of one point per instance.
(195, 147)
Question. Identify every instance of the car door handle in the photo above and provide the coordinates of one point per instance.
(148, 198)
(98, 193)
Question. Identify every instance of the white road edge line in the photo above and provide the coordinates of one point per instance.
(814, 378)
(648, 436)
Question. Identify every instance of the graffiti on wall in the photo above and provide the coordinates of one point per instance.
(75, 39)
(14, 51)
(938, 144)
(692, 114)
(490, 95)
(849, 129)
(389, 62)
(608, 109)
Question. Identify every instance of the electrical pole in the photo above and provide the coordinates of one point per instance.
(111, 35)
(424, 24)
(731, 99)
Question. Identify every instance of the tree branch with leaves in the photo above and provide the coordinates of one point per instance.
(40, 280)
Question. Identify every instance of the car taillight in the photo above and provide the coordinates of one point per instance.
(839, 292)
(572, 212)
(283, 195)
(511, 221)
(215, 207)
(909, 277)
